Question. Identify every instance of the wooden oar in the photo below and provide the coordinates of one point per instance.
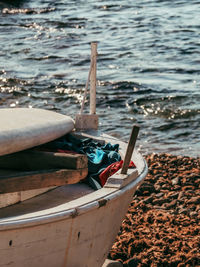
(22, 181)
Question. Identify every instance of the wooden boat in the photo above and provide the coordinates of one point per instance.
(68, 225)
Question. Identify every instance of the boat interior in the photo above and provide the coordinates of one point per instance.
(41, 201)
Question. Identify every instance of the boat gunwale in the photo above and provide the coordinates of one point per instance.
(73, 212)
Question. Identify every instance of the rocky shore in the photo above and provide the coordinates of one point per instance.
(162, 225)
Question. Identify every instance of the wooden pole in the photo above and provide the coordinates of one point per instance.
(93, 78)
(130, 148)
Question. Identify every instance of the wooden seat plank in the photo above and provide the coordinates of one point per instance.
(31, 160)
(22, 181)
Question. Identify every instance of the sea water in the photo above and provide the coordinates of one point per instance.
(148, 65)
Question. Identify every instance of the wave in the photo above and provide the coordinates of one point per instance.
(27, 10)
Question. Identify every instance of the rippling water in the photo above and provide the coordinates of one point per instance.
(148, 64)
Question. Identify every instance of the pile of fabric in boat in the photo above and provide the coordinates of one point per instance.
(103, 159)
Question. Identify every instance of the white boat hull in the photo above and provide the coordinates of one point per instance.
(51, 230)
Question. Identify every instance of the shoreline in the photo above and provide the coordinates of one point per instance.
(161, 227)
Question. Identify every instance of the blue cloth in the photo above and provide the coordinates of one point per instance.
(99, 156)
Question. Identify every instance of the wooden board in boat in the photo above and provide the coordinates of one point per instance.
(23, 128)
(22, 181)
(34, 160)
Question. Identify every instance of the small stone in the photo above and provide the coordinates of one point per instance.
(159, 201)
(157, 187)
(171, 204)
(159, 195)
(166, 187)
(181, 195)
(183, 211)
(193, 214)
(174, 195)
(194, 200)
(111, 263)
(177, 187)
(148, 200)
(175, 181)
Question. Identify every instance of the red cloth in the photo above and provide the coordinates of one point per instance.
(111, 169)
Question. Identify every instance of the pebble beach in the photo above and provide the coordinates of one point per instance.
(161, 227)
(148, 74)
